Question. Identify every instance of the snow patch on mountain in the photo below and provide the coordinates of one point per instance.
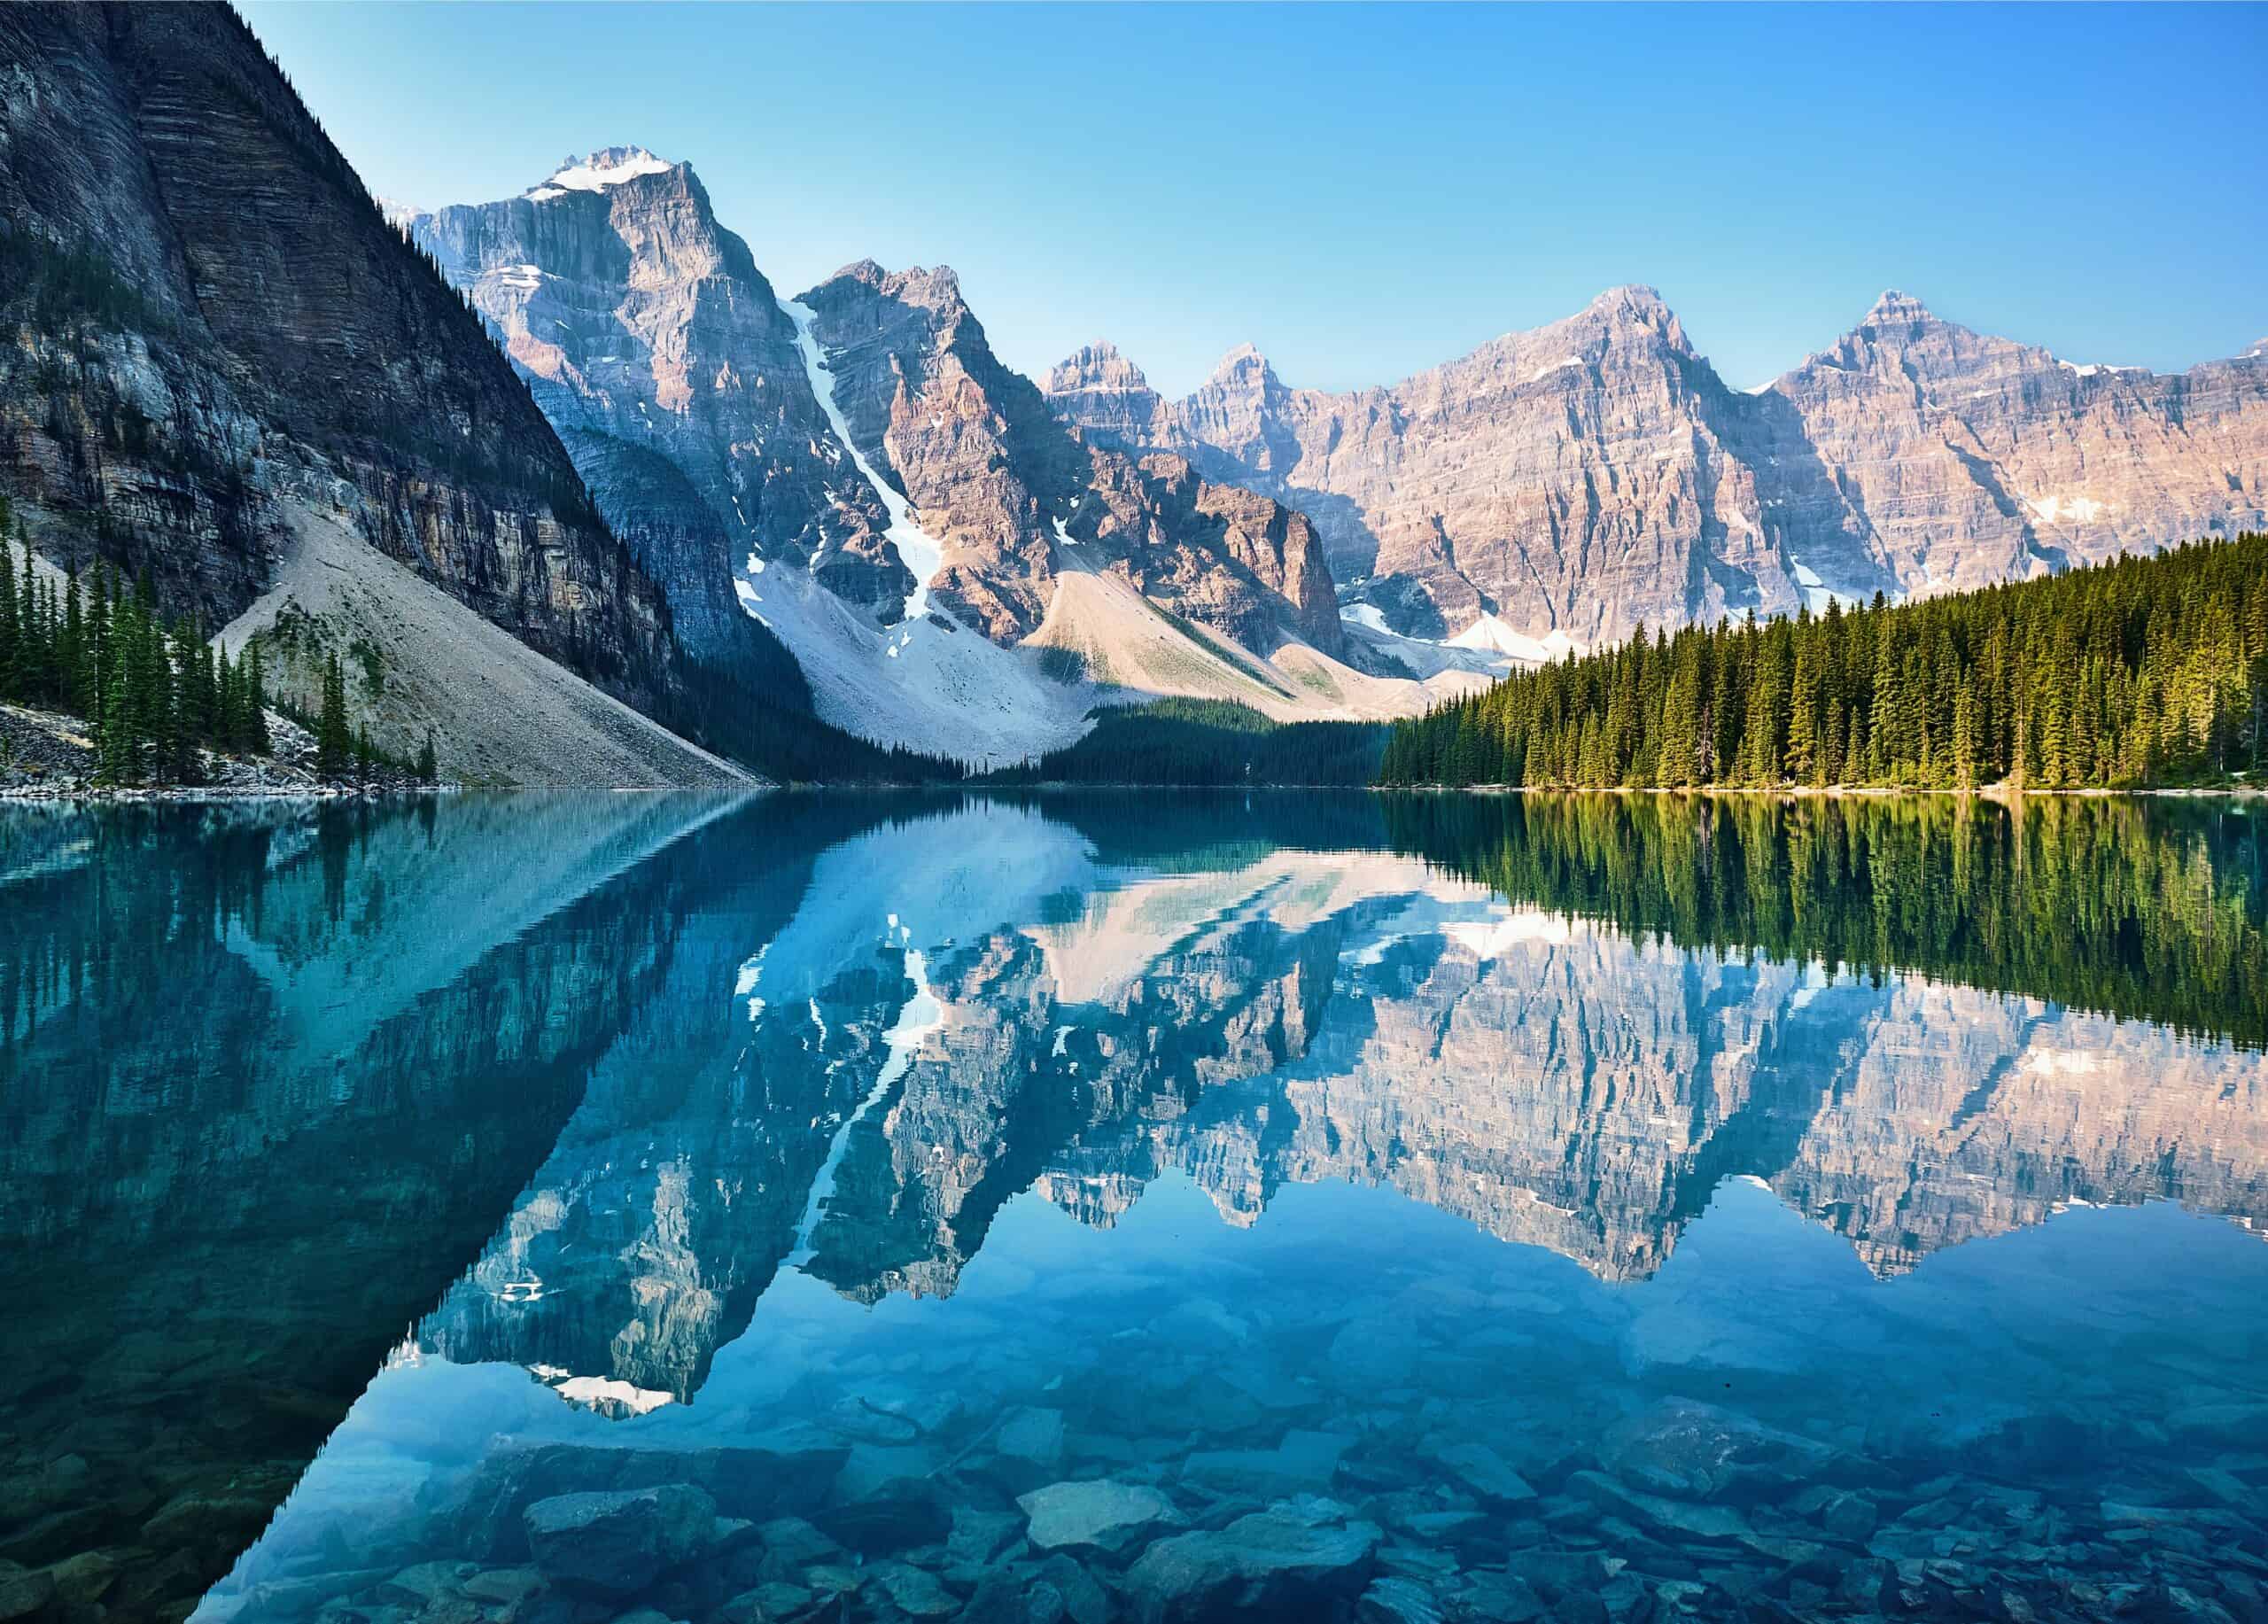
(1492, 633)
(920, 552)
(947, 688)
(1816, 593)
(609, 166)
(2067, 509)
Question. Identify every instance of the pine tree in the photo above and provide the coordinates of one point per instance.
(11, 674)
(1964, 740)
(333, 744)
(256, 738)
(429, 770)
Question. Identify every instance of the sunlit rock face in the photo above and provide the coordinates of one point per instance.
(1969, 459)
(1594, 473)
(1004, 490)
(657, 349)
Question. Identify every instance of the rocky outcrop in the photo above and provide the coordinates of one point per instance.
(1596, 473)
(211, 328)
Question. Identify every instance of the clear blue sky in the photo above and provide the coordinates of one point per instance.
(1364, 192)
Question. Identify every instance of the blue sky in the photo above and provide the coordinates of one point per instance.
(1366, 192)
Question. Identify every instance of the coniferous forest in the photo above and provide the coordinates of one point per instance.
(153, 693)
(2139, 671)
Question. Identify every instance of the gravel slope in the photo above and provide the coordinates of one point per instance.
(499, 712)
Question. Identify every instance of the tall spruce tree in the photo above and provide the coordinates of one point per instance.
(333, 742)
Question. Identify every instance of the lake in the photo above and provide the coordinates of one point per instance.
(573, 1208)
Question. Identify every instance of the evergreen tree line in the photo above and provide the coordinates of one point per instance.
(2136, 671)
(2149, 910)
(1206, 743)
(152, 692)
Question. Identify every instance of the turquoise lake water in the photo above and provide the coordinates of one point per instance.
(581, 1208)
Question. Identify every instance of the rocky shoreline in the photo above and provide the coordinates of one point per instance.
(48, 757)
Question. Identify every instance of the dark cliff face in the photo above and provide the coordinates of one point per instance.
(213, 327)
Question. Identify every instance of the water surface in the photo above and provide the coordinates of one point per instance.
(560, 1208)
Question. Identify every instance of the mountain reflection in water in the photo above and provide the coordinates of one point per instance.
(839, 1182)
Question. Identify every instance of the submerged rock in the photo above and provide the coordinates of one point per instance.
(755, 1479)
(1083, 1600)
(1682, 1448)
(907, 1512)
(619, 1542)
(22, 1593)
(1676, 1520)
(1033, 1436)
(1398, 1601)
(1485, 1473)
(979, 1536)
(911, 1590)
(1097, 1511)
(1288, 1560)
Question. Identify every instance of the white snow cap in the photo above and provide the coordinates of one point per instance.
(398, 214)
(608, 167)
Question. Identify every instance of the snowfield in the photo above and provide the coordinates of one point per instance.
(600, 171)
(946, 690)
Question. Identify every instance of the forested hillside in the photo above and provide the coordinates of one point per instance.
(2139, 672)
(153, 693)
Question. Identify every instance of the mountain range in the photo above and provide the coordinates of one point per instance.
(563, 480)
(1564, 484)
(855, 472)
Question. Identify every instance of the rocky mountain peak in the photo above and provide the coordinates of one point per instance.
(1244, 363)
(1897, 309)
(1632, 297)
(1098, 366)
(1115, 397)
(597, 171)
(1633, 311)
